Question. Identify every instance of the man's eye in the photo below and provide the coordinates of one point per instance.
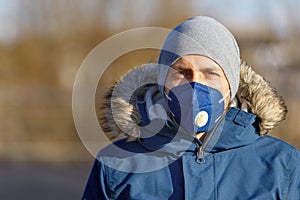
(182, 73)
(213, 74)
(179, 73)
(186, 72)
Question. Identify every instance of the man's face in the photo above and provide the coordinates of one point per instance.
(197, 68)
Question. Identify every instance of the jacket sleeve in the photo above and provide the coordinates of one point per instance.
(294, 183)
(96, 187)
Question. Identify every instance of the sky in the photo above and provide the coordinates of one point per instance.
(245, 13)
(277, 14)
(8, 17)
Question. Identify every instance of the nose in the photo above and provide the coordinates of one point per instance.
(197, 77)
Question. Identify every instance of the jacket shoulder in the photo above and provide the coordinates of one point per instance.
(269, 148)
(122, 148)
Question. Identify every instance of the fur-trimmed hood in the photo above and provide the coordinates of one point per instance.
(119, 115)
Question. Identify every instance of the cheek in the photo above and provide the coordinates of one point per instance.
(168, 85)
(171, 83)
(167, 90)
(224, 86)
(224, 92)
(227, 102)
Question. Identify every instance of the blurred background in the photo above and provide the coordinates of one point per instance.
(43, 43)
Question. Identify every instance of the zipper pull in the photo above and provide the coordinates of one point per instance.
(200, 155)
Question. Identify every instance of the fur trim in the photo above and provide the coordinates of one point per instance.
(261, 98)
(119, 116)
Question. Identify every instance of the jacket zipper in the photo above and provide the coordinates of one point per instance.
(201, 147)
(200, 155)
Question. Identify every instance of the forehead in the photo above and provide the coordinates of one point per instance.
(196, 61)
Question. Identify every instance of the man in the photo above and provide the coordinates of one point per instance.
(200, 131)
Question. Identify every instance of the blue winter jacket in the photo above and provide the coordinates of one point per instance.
(233, 162)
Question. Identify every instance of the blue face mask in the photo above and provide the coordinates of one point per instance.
(196, 107)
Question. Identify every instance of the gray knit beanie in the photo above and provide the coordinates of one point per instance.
(202, 36)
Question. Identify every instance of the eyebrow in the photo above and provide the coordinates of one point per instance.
(179, 66)
(182, 66)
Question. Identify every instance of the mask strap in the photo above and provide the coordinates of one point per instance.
(225, 96)
(169, 98)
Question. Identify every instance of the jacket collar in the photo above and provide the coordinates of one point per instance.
(236, 129)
